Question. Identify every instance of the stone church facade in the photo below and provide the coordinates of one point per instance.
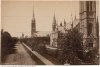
(56, 29)
(88, 24)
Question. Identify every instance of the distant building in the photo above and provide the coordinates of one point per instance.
(56, 29)
(43, 33)
(88, 24)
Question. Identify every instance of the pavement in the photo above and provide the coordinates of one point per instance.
(20, 57)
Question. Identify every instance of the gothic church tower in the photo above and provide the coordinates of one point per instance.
(88, 23)
(33, 26)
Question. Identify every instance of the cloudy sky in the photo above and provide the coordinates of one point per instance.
(16, 16)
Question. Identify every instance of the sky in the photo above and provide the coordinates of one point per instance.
(16, 16)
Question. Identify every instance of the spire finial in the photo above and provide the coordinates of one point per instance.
(33, 12)
(54, 19)
(33, 9)
(33, 19)
(54, 14)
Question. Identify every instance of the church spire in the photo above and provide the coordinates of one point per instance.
(33, 25)
(54, 23)
(54, 19)
(33, 19)
(33, 12)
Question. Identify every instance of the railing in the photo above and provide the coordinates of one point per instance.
(37, 57)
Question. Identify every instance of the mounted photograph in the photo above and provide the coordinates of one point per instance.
(49, 32)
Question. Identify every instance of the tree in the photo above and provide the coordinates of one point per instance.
(7, 44)
(71, 46)
(92, 57)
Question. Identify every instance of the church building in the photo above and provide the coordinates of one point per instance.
(88, 24)
(56, 29)
(34, 32)
(33, 26)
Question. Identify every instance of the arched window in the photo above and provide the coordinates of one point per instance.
(90, 5)
(87, 3)
(89, 28)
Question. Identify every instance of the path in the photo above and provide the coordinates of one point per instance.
(20, 57)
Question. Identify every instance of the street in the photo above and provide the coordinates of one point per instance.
(20, 57)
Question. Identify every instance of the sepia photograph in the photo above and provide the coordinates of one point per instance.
(49, 32)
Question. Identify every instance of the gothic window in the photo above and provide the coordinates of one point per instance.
(89, 28)
(90, 44)
(90, 5)
(87, 3)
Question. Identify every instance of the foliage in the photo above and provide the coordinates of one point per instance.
(71, 46)
(37, 43)
(92, 57)
(7, 44)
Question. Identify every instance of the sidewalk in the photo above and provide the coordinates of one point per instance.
(20, 57)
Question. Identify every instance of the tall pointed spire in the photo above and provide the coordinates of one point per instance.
(33, 19)
(64, 24)
(54, 25)
(72, 21)
(33, 12)
(54, 17)
(33, 25)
